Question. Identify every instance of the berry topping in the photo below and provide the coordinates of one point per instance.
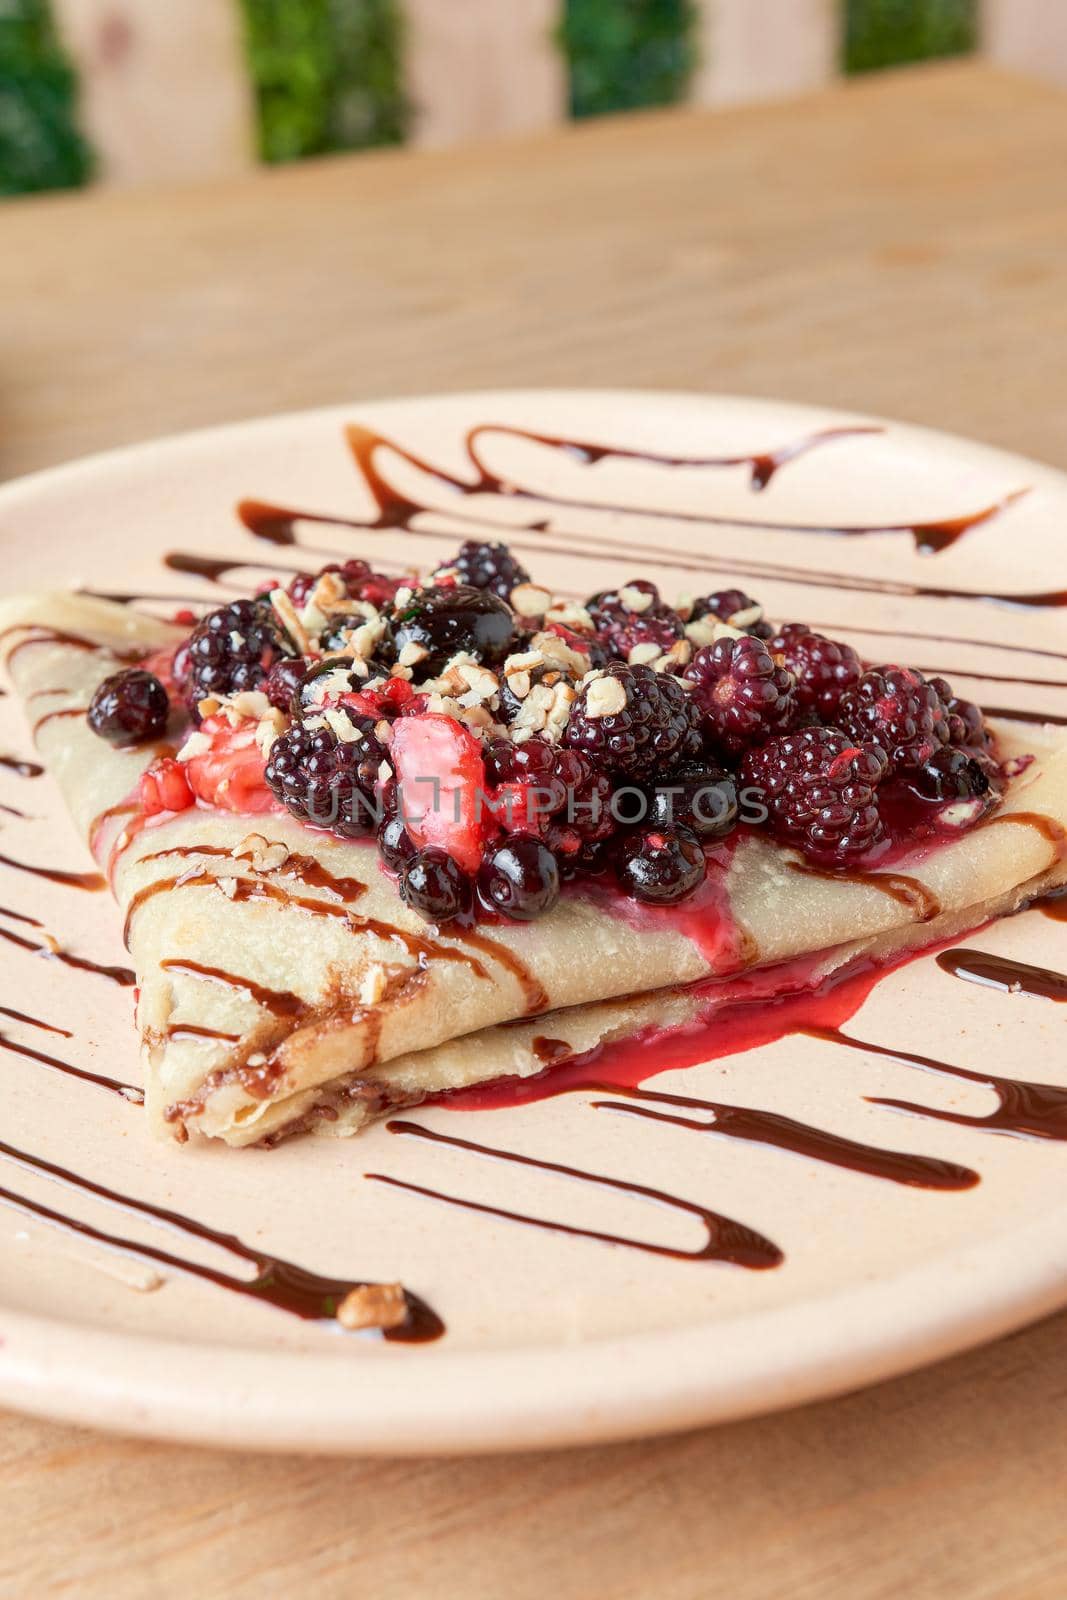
(702, 798)
(519, 878)
(283, 680)
(557, 793)
(354, 579)
(225, 768)
(395, 845)
(441, 622)
(633, 616)
(633, 721)
(433, 884)
(820, 790)
(822, 667)
(485, 566)
(966, 725)
(326, 780)
(233, 649)
(954, 775)
(744, 697)
(736, 608)
(129, 708)
(165, 787)
(661, 865)
(440, 778)
(898, 709)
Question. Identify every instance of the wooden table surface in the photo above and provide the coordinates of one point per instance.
(899, 246)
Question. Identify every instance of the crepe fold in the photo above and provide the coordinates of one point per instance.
(283, 984)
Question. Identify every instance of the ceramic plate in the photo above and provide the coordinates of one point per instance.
(550, 1338)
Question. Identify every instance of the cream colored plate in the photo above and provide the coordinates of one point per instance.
(550, 1339)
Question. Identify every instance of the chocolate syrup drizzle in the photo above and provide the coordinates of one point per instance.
(279, 1283)
(124, 977)
(726, 1239)
(90, 881)
(1000, 972)
(21, 769)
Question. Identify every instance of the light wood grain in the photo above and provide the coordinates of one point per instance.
(165, 90)
(477, 68)
(754, 50)
(898, 245)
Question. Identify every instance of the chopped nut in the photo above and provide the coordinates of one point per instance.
(338, 719)
(643, 654)
(605, 697)
(679, 655)
(482, 683)
(270, 728)
(519, 684)
(402, 597)
(208, 706)
(557, 651)
(373, 1305)
(701, 632)
(373, 985)
(724, 630)
(227, 885)
(571, 615)
(264, 855)
(412, 654)
(746, 617)
(634, 599)
(196, 744)
(287, 615)
(529, 600)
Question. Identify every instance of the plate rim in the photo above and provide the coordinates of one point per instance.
(82, 1374)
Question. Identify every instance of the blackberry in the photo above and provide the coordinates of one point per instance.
(821, 792)
(823, 668)
(129, 708)
(447, 620)
(898, 709)
(434, 885)
(551, 790)
(283, 680)
(701, 798)
(634, 615)
(325, 780)
(725, 605)
(966, 725)
(661, 865)
(233, 649)
(634, 722)
(742, 694)
(322, 683)
(952, 774)
(519, 878)
(486, 566)
(358, 579)
(395, 845)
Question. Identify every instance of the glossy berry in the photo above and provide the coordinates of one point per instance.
(434, 885)
(966, 725)
(898, 709)
(661, 865)
(395, 845)
(727, 604)
(821, 792)
(952, 774)
(486, 566)
(551, 790)
(743, 696)
(446, 620)
(357, 578)
(233, 649)
(325, 683)
(519, 878)
(634, 722)
(129, 708)
(327, 781)
(634, 615)
(823, 668)
(701, 798)
(284, 679)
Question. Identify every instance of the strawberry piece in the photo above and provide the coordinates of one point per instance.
(165, 787)
(441, 780)
(389, 699)
(230, 774)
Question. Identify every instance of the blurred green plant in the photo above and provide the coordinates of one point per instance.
(40, 146)
(887, 33)
(623, 54)
(327, 74)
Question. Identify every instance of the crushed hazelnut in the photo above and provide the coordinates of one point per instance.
(746, 617)
(701, 632)
(227, 885)
(270, 728)
(412, 654)
(287, 615)
(373, 985)
(338, 719)
(605, 697)
(373, 1305)
(264, 855)
(197, 744)
(642, 655)
(529, 600)
(634, 599)
(572, 616)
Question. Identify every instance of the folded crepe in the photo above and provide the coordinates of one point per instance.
(283, 984)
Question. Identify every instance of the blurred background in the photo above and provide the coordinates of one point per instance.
(143, 91)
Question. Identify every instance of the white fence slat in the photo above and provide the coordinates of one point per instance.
(477, 68)
(165, 90)
(765, 49)
(1029, 35)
